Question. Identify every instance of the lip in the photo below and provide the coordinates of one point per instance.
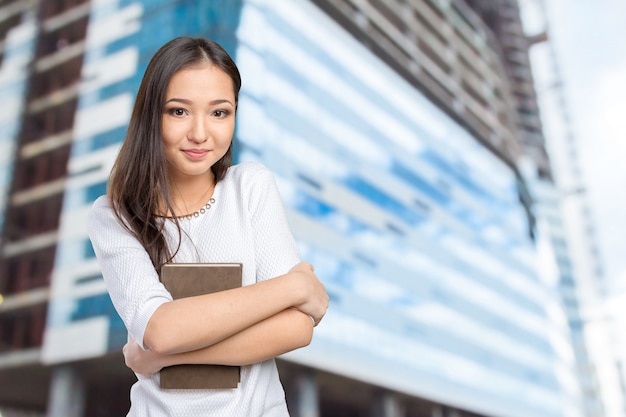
(195, 154)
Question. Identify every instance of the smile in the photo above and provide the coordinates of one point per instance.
(196, 154)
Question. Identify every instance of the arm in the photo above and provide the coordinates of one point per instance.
(286, 331)
(173, 328)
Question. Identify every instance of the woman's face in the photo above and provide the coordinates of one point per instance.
(198, 121)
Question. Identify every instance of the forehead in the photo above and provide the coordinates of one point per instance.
(200, 80)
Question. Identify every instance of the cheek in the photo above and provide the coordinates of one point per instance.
(169, 145)
(169, 134)
(226, 134)
(169, 154)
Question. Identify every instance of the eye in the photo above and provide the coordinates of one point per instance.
(220, 114)
(177, 111)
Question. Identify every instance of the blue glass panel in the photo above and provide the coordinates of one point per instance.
(101, 305)
(313, 207)
(382, 199)
(95, 190)
(419, 183)
(88, 250)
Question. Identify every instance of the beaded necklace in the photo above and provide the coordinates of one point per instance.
(197, 213)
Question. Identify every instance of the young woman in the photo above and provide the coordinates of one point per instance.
(173, 196)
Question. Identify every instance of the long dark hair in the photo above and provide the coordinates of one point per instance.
(138, 185)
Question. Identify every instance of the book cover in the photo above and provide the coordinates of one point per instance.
(187, 280)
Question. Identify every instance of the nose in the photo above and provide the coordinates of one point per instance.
(198, 131)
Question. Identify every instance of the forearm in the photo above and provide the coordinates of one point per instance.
(281, 333)
(194, 323)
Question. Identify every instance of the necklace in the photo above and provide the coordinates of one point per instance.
(202, 210)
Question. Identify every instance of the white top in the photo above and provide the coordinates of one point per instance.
(246, 224)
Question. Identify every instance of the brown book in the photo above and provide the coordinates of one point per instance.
(187, 280)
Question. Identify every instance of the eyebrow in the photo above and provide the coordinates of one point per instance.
(185, 101)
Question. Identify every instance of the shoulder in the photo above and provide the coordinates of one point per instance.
(101, 212)
(248, 168)
(101, 205)
(102, 202)
(249, 174)
(253, 184)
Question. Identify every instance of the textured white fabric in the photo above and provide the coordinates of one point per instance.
(246, 224)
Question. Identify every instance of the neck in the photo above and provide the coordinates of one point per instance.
(191, 194)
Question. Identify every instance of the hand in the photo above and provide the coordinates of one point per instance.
(316, 299)
(142, 362)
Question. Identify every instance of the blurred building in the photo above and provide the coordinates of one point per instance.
(395, 129)
(584, 284)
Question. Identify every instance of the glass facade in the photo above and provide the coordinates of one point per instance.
(415, 228)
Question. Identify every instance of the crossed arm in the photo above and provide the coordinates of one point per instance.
(248, 324)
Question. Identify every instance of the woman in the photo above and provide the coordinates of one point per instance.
(173, 196)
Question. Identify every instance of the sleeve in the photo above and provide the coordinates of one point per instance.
(275, 248)
(130, 278)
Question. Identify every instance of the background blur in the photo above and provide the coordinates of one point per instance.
(452, 168)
